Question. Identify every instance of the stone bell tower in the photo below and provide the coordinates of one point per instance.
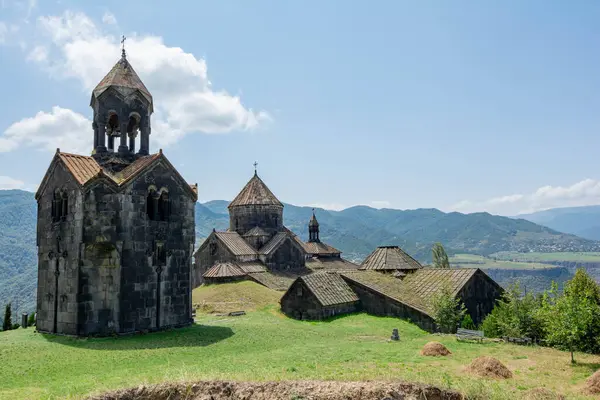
(122, 107)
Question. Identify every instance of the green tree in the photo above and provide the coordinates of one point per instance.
(448, 311)
(573, 318)
(516, 315)
(31, 319)
(7, 325)
(440, 258)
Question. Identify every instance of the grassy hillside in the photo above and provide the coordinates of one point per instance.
(534, 257)
(238, 296)
(265, 345)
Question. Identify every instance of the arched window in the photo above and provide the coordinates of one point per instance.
(112, 130)
(60, 205)
(164, 207)
(158, 205)
(151, 206)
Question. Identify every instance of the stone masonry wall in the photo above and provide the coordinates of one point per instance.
(58, 256)
(286, 257)
(377, 304)
(244, 218)
(204, 259)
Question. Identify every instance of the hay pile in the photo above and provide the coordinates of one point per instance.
(307, 390)
(435, 349)
(542, 394)
(592, 384)
(489, 367)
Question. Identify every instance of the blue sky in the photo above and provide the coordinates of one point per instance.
(458, 105)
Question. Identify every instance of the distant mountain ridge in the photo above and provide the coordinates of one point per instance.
(581, 221)
(356, 231)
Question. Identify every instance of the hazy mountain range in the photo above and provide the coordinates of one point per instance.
(580, 221)
(356, 231)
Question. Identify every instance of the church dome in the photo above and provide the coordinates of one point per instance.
(255, 193)
(255, 206)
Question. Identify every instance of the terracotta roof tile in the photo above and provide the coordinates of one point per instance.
(329, 288)
(389, 258)
(255, 193)
(135, 168)
(83, 168)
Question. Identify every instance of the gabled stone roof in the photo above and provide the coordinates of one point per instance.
(256, 231)
(273, 243)
(235, 243)
(320, 248)
(255, 193)
(122, 76)
(417, 288)
(389, 258)
(223, 270)
(329, 288)
(85, 169)
(330, 264)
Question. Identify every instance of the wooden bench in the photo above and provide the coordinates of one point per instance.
(518, 340)
(467, 334)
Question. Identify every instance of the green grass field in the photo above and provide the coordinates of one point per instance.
(475, 261)
(266, 345)
(547, 257)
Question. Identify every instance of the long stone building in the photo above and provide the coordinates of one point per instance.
(389, 283)
(257, 246)
(115, 230)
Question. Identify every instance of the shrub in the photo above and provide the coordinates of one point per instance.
(7, 325)
(467, 322)
(448, 311)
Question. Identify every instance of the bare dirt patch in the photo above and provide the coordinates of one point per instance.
(542, 394)
(435, 349)
(298, 390)
(489, 367)
(592, 384)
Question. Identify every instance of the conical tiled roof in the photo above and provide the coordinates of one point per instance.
(255, 193)
(122, 76)
(390, 258)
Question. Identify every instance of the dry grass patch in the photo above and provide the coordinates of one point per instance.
(489, 367)
(286, 390)
(592, 384)
(435, 349)
(542, 394)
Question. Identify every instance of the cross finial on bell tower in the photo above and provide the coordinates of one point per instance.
(255, 165)
(123, 38)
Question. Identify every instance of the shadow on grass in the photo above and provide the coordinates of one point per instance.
(192, 336)
(589, 368)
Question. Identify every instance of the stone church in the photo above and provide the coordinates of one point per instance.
(115, 230)
(257, 245)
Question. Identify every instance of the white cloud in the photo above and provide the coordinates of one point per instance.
(7, 182)
(185, 102)
(60, 128)
(583, 193)
(109, 18)
(380, 204)
(328, 206)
